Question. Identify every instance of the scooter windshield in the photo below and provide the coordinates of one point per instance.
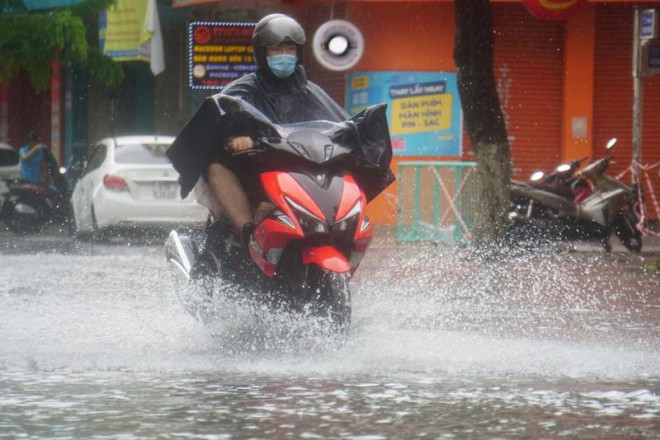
(312, 145)
(365, 135)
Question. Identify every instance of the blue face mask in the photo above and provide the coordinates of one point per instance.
(282, 65)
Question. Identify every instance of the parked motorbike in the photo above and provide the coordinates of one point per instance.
(311, 228)
(27, 207)
(596, 206)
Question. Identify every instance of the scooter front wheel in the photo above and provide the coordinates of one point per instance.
(22, 224)
(329, 296)
(626, 229)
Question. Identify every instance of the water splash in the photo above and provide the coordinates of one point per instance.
(415, 311)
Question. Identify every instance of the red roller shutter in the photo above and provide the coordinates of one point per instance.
(613, 92)
(528, 68)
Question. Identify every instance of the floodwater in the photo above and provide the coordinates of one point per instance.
(93, 344)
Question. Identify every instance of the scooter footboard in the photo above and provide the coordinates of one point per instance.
(326, 257)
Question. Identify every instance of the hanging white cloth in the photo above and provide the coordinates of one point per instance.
(156, 52)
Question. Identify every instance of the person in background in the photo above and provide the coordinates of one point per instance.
(32, 157)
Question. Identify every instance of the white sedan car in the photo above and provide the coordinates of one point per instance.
(10, 167)
(129, 182)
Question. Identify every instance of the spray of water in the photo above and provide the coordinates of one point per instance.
(415, 311)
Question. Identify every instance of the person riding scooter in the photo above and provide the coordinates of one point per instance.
(311, 183)
(276, 145)
(41, 196)
(279, 89)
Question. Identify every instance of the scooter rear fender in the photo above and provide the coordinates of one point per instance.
(326, 257)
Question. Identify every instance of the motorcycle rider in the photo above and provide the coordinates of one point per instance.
(279, 89)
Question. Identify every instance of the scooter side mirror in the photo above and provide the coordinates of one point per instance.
(610, 144)
(536, 176)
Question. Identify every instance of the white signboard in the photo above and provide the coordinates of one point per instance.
(647, 26)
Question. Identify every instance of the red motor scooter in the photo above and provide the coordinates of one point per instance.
(311, 184)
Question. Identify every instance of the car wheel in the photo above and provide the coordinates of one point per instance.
(96, 233)
(92, 233)
(69, 222)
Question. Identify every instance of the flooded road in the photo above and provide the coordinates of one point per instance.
(95, 345)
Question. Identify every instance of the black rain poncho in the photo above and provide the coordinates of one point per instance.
(291, 100)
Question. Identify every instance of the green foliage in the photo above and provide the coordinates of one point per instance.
(103, 69)
(31, 41)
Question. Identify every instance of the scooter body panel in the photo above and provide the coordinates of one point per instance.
(562, 205)
(326, 257)
(323, 211)
(603, 207)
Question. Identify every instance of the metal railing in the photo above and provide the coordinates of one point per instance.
(436, 201)
(646, 187)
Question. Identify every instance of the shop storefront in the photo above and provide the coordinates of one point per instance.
(565, 86)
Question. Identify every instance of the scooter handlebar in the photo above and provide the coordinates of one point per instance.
(259, 146)
(597, 167)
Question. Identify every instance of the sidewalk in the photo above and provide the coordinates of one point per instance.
(385, 236)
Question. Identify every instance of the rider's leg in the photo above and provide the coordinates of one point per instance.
(230, 195)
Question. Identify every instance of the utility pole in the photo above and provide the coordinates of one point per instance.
(638, 97)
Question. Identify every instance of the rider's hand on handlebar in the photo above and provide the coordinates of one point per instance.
(239, 144)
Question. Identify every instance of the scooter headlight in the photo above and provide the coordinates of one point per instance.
(310, 223)
(350, 218)
(365, 224)
(283, 218)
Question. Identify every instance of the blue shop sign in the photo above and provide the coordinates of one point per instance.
(423, 108)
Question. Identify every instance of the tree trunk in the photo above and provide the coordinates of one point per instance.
(473, 54)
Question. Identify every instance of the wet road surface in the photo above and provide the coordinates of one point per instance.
(443, 345)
